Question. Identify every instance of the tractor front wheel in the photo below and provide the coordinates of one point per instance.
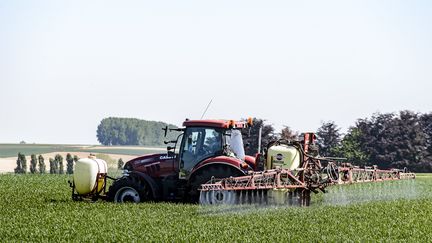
(129, 189)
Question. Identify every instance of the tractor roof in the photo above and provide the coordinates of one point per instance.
(215, 123)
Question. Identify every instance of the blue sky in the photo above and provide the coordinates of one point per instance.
(65, 65)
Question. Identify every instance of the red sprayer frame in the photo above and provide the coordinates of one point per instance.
(310, 177)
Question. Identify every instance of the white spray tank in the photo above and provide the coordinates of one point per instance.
(89, 175)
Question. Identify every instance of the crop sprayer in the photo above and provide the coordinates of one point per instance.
(207, 164)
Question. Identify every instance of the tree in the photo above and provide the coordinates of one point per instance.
(328, 138)
(19, 169)
(426, 124)
(53, 166)
(24, 163)
(288, 134)
(409, 140)
(59, 161)
(120, 164)
(374, 138)
(42, 168)
(69, 166)
(33, 163)
(394, 140)
(251, 138)
(350, 148)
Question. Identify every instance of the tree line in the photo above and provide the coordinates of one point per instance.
(131, 131)
(389, 140)
(37, 164)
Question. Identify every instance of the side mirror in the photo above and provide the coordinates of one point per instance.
(165, 130)
(169, 148)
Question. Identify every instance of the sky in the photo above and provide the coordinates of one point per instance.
(66, 65)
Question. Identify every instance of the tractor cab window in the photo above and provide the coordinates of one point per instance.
(178, 143)
(236, 144)
(198, 144)
(234, 140)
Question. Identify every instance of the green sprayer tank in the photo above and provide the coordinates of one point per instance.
(283, 156)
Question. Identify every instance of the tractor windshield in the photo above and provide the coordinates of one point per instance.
(198, 144)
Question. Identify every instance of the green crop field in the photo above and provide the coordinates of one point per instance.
(39, 208)
(11, 150)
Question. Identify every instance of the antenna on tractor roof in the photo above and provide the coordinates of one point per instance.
(206, 108)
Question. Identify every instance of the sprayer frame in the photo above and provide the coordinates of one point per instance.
(93, 195)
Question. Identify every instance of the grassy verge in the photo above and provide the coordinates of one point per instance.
(39, 208)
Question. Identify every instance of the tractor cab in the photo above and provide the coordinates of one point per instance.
(206, 139)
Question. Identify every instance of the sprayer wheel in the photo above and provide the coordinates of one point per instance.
(205, 175)
(129, 189)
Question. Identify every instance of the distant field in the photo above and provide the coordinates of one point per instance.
(11, 150)
(39, 208)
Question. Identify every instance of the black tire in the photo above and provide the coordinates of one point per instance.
(205, 174)
(129, 189)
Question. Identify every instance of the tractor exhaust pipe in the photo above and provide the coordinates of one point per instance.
(259, 139)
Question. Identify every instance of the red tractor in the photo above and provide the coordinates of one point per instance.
(204, 149)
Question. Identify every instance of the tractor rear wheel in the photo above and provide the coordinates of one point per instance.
(204, 175)
(129, 189)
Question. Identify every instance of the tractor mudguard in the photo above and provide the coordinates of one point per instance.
(150, 181)
(223, 160)
(229, 170)
(216, 163)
